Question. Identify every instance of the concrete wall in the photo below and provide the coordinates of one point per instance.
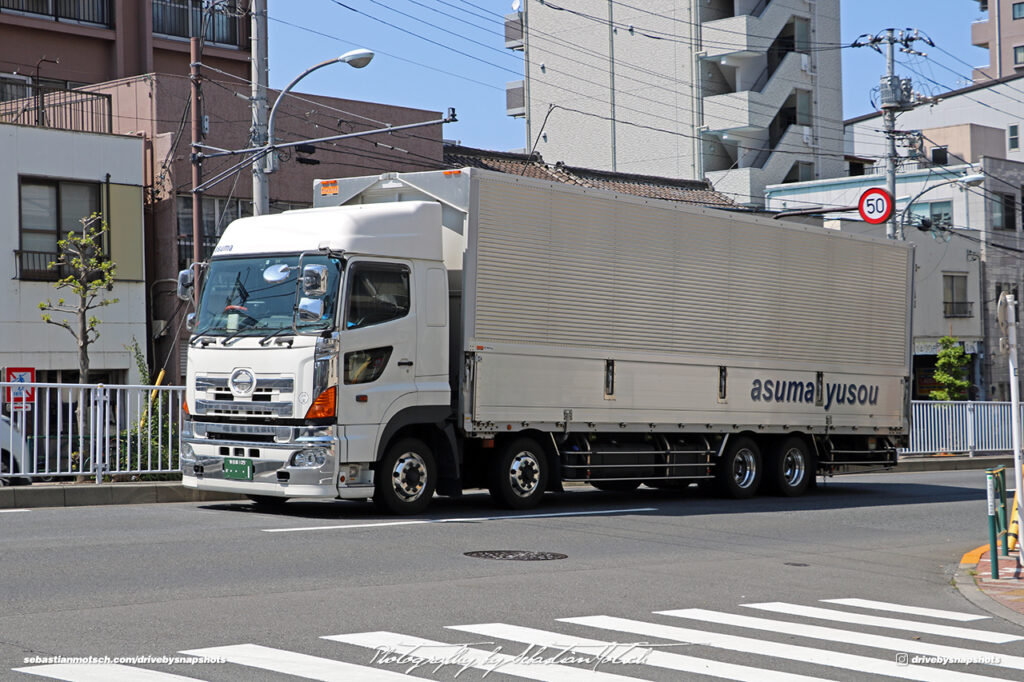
(26, 340)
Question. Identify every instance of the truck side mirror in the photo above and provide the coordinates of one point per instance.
(310, 309)
(186, 280)
(190, 322)
(314, 280)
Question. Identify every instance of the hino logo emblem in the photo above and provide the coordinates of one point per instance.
(242, 381)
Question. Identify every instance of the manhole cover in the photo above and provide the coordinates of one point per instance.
(516, 555)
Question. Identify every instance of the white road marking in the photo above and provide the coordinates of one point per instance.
(13, 511)
(460, 520)
(909, 646)
(434, 655)
(102, 672)
(884, 622)
(834, 659)
(299, 665)
(907, 610)
(658, 658)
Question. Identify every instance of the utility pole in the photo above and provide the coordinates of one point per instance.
(197, 169)
(896, 95)
(260, 184)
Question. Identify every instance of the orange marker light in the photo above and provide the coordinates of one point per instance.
(323, 406)
(328, 188)
(184, 406)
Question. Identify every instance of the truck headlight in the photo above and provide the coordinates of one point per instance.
(187, 455)
(310, 458)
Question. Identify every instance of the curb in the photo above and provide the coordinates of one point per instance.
(68, 495)
(954, 463)
(964, 582)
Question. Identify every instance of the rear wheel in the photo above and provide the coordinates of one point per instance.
(739, 471)
(405, 478)
(790, 468)
(519, 475)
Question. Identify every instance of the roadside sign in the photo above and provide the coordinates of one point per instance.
(20, 397)
(875, 205)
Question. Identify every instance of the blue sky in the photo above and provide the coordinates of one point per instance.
(457, 59)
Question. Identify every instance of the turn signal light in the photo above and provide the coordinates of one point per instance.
(184, 406)
(323, 406)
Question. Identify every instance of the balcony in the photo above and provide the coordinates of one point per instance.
(224, 24)
(514, 31)
(957, 308)
(757, 168)
(85, 11)
(87, 112)
(745, 34)
(753, 110)
(34, 266)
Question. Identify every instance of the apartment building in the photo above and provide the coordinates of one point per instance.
(1000, 30)
(745, 93)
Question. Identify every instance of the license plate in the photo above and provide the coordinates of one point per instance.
(239, 469)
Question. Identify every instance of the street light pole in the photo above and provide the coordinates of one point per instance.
(356, 59)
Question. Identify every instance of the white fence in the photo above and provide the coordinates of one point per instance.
(55, 431)
(959, 427)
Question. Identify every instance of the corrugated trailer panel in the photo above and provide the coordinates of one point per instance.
(559, 267)
(565, 279)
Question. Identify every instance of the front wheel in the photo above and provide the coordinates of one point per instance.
(405, 479)
(739, 471)
(519, 475)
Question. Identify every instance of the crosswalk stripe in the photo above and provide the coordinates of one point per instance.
(436, 653)
(909, 646)
(102, 672)
(908, 610)
(884, 622)
(299, 665)
(659, 659)
(834, 659)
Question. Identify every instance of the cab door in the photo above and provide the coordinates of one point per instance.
(378, 348)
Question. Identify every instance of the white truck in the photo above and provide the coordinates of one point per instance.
(440, 331)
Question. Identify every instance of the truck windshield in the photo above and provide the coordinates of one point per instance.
(237, 299)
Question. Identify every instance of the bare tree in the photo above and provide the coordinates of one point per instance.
(88, 273)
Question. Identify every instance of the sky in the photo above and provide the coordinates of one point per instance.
(436, 54)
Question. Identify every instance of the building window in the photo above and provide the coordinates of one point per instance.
(183, 19)
(49, 210)
(1018, 10)
(954, 296)
(940, 213)
(1018, 55)
(1004, 212)
(1014, 136)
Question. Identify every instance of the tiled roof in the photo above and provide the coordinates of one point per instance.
(686, 191)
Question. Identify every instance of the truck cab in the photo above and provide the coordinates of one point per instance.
(320, 343)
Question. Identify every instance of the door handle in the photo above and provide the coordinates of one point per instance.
(405, 363)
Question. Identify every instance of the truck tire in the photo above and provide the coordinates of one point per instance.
(519, 475)
(405, 478)
(739, 472)
(789, 468)
(268, 501)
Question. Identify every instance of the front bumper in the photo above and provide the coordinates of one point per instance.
(270, 449)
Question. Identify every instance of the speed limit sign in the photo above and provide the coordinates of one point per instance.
(875, 205)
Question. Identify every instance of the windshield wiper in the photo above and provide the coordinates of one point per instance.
(199, 336)
(239, 331)
(266, 339)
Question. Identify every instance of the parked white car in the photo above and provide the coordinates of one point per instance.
(12, 452)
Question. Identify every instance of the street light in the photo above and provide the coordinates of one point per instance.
(356, 59)
(964, 181)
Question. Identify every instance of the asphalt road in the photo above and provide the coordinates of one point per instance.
(746, 580)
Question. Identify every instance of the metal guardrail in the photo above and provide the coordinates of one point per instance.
(959, 427)
(52, 431)
(88, 112)
(87, 11)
